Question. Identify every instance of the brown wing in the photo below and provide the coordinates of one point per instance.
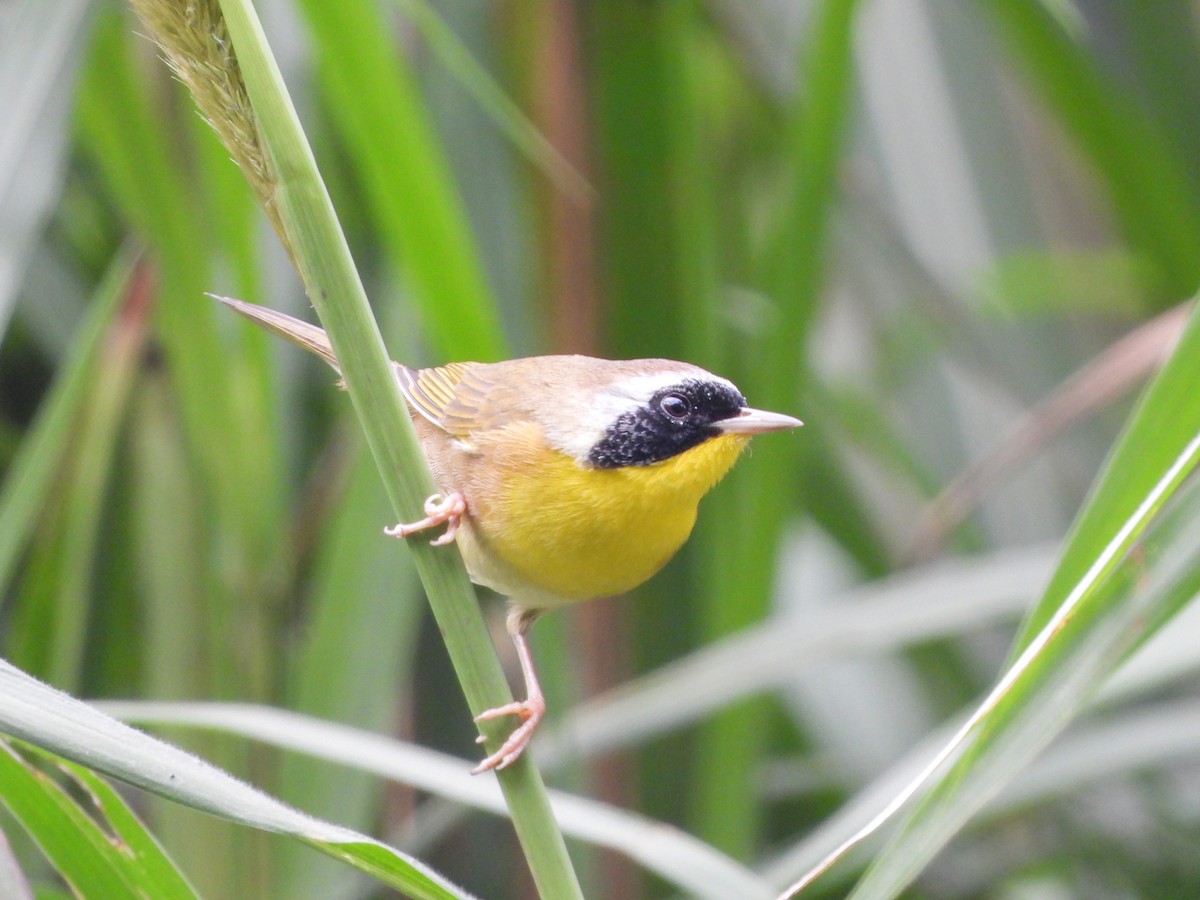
(462, 398)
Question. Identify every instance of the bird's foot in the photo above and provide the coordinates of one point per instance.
(447, 509)
(530, 711)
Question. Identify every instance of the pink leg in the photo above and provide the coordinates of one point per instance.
(530, 710)
(440, 509)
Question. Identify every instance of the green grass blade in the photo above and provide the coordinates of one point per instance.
(135, 157)
(1052, 682)
(633, 106)
(54, 615)
(321, 254)
(175, 604)
(889, 615)
(496, 104)
(694, 867)
(145, 855)
(1155, 200)
(353, 666)
(120, 131)
(181, 623)
(762, 493)
(1165, 421)
(31, 474)
(50, 719)
(1087, 620)
(375, 102)
(90, 467)
(78, 846)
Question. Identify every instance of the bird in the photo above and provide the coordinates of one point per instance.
(560, 478)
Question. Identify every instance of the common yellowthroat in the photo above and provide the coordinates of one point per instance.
(562, 478)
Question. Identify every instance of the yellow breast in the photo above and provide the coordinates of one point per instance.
(572, 533)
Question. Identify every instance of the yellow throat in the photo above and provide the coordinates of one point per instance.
(575, 533)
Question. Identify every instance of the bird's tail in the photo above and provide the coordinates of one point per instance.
(310, 337)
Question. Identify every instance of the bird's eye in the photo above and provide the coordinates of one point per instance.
(675, 406)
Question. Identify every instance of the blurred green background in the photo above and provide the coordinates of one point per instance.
(919, 225)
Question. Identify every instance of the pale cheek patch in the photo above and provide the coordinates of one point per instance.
(576, 434)
(575, 443)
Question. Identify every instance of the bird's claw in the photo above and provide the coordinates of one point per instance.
(447, 509)
(530, 711)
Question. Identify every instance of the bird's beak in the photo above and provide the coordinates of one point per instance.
(757, 421)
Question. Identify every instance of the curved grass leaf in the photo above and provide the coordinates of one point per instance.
(936, 601)
(1166, 420)
(694, 867)
(360, 640)
(1109, 605)
(136, 848)
(101, 851)
(1046, 689)
(54, 721)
